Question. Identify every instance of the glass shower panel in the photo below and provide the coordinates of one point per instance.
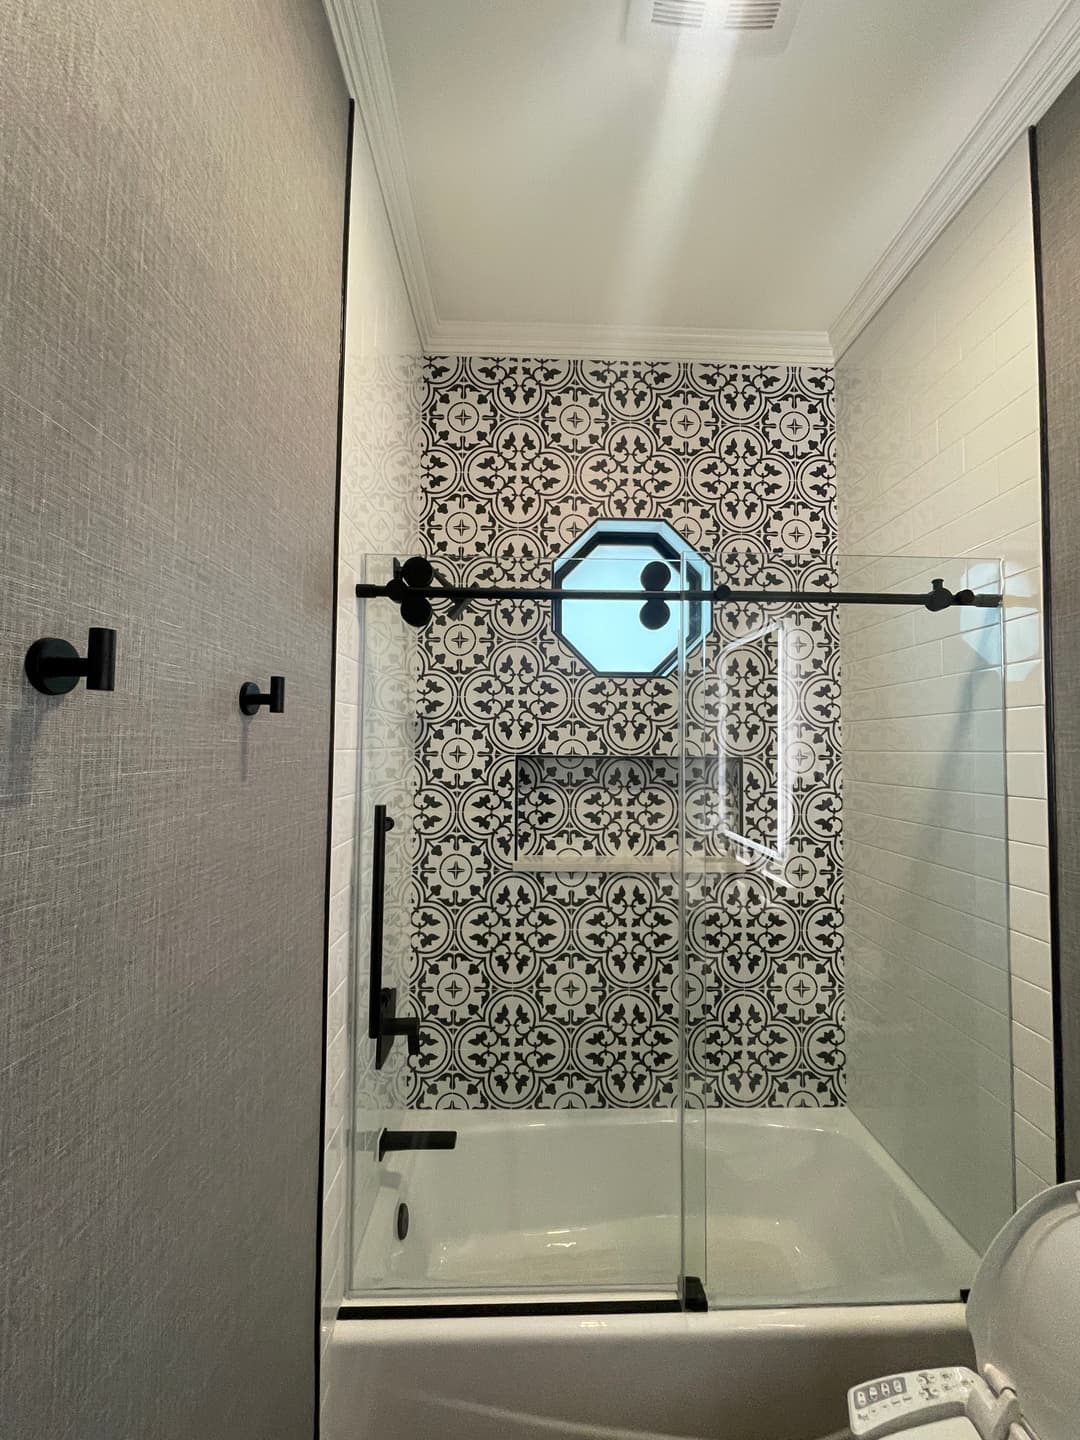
(927, 926)
(386, 728)
(763, 930)
(853, 1041)
(536, 776)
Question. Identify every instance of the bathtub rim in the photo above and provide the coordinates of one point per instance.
(839, 1319)
(704, 1365)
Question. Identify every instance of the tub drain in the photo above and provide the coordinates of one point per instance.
(401, 1221)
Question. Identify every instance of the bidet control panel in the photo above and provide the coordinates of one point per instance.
(894, 1402)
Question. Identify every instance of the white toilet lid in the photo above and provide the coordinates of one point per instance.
(1024, 1310)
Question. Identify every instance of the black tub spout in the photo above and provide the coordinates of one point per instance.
(416, 1140)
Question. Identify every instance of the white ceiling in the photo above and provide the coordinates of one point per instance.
(560, 176)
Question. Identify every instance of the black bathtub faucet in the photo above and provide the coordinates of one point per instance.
(416, 1140)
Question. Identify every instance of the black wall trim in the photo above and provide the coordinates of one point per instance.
(1048, 670)
(477, 1309)
(351, 123)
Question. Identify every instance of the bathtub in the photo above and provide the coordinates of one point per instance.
(823, 1263)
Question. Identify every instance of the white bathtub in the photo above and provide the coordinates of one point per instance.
(783, 1207)
(804, 1209)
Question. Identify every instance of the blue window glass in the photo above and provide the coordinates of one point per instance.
(619, 637)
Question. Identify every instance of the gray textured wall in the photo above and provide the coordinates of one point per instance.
(1058, 151)
(171, 191)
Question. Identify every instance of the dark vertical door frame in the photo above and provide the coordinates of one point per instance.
(335, 589)
(1048, 670)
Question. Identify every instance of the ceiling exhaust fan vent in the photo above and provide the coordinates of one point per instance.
(762, 26)
(688, 14)
(752, 14)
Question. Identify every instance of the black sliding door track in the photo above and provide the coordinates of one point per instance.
(477, 1309)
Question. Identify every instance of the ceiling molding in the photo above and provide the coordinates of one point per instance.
(1032, 87)
(1035, 83)
(630, 342)
(362, 52)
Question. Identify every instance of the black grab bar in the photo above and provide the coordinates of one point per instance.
(384, 1023)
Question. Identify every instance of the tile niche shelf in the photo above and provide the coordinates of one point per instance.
(621, 813)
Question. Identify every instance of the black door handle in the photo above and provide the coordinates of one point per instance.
(384, 1023)
(383, 823)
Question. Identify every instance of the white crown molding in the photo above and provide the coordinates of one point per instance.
(1032, 87)
(1034, 84)
(362, 52)
(630, 342)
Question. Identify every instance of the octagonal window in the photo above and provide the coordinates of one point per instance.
(621, 637)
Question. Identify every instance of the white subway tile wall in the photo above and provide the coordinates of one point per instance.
(937, 430)
(380, 476)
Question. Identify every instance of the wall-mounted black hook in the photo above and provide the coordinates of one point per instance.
(251, 697)
(54, 666)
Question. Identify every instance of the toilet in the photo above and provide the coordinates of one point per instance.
(1024, 1319)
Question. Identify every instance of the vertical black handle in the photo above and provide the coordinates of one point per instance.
(383, 823)
(384, 1023)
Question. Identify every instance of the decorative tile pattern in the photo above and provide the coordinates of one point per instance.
(563, 988)
(603, 807)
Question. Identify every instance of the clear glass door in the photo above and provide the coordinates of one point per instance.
(532, 758)
(929, 1068)
(854, 1042)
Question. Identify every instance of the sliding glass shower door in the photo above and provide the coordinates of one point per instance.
(680, 974)
(531, 759)
(852, 1047)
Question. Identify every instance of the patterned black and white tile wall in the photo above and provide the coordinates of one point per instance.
(543, 985)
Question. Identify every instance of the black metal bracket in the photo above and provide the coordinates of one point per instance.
(54, 667)
(412, 590)
(692, 1294)
(251, 698)
(391, 1025)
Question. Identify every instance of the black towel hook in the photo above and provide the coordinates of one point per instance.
(251, 697)
(54, 666)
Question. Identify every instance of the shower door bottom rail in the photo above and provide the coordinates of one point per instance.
(416, 1309)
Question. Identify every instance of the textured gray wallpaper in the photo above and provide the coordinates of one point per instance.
(171, 192)
(1058, 148)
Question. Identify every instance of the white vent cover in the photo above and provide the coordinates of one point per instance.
(753, 26)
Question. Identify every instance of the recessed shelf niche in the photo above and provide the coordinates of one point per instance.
(618, 812)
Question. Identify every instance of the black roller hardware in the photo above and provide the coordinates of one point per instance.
(413, 590)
